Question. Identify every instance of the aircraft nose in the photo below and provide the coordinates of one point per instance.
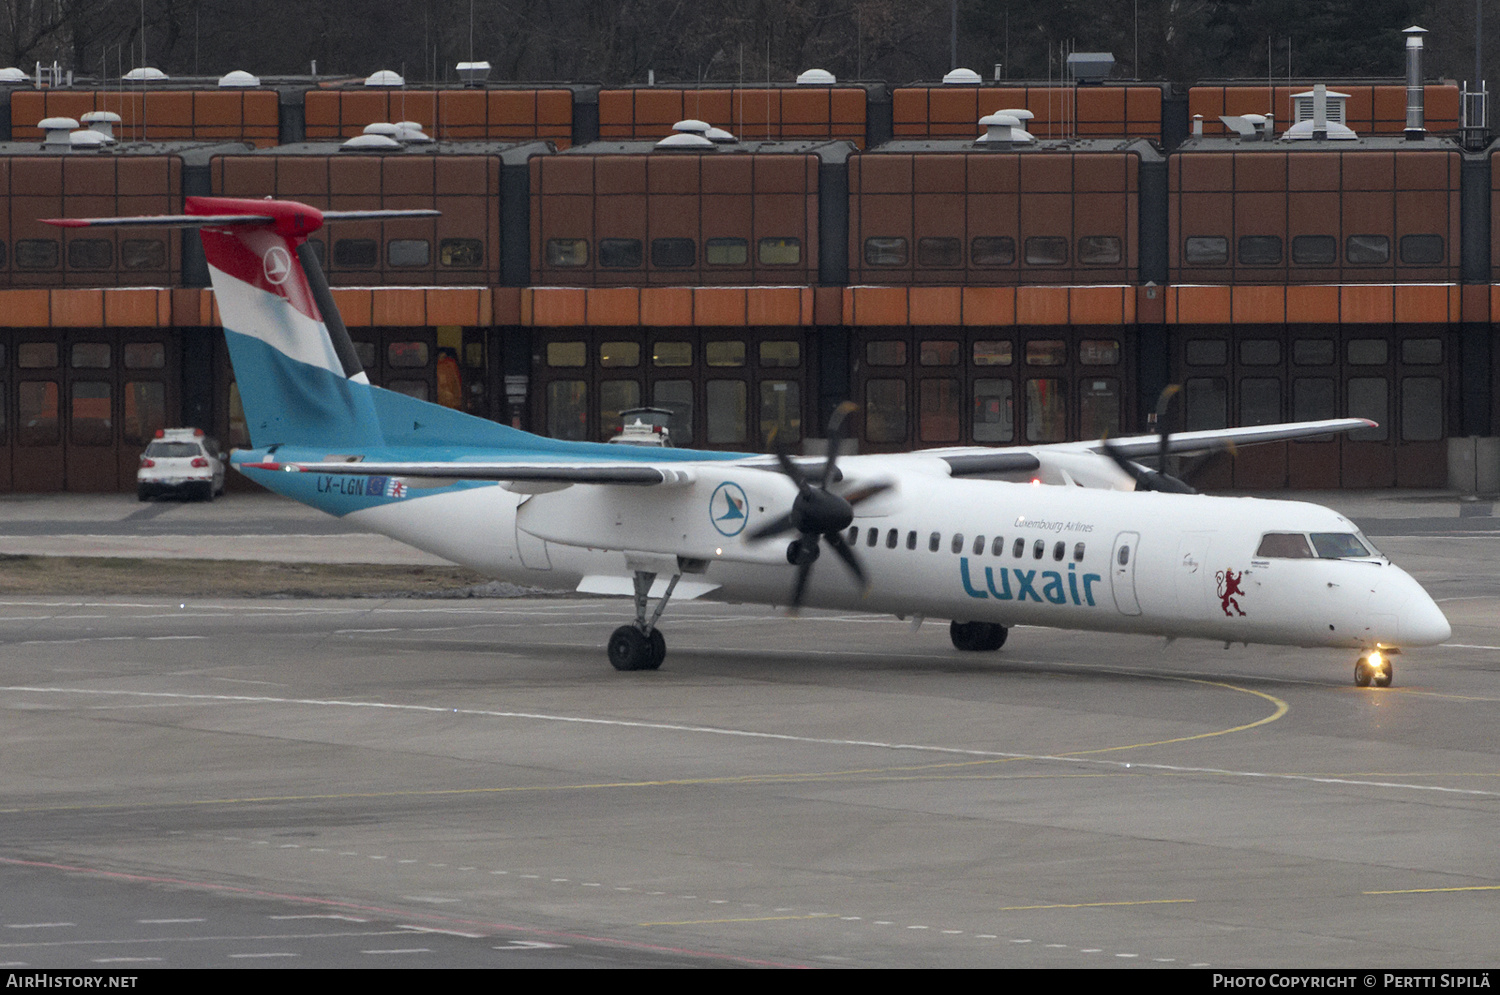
(1422, 623)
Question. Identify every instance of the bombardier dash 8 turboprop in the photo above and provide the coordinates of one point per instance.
(961, 533)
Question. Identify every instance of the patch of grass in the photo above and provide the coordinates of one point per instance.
(108, 575)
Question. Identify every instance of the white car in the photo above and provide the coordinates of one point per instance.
(180, 461)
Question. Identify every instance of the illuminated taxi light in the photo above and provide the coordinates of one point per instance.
(719, 551)
(1035, 481)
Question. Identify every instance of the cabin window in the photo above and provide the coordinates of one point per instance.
(934, 542)
(1019, 549)
(885, 252)
(620, 253)
(1059, 550)
(992, 251)
(958, 542)
(726, 252)
(779, 251)
(1206, 251)
(1367, 250)
(673, 253)
(911, 539)
(872, 538)
(1338, 545)
(891, 538)
(947, 252)
(979, 545)
(1422, 250)
(854, 535)
(1315, 250)
(1039, 549)
(408, 252)
(1284, 545)
(91, 253)
(998, 549)
(1078, 553)
(1123, 558)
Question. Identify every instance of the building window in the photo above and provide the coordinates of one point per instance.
(726, 410)
(1422, 352)
(620, 253)
(89, 356)
(1046, 410)
(410, 355)
(673, 253)
(885, 252)
(994, 411)
(1315, 250)
(561, 354)
(356, 252)
(36, 253)
(615, 354)
(885, 410)
(672, 354)
(993, 353)
(1099, 250)
(727, 353)
(988, 250)
(1046, 352)
(938, 352)
(1099, 352)
(1260, 352)
(1046, 250)
(1422, 250)
(1368, 352)
(779, 251)
(144, 355)
(1260, 250)
(408, 252)
(1204, 250)
(781, 354)
(1367, 250)
(465, 253)
(567, 252)
(726, 252)
(945, 252)
(1206, 352)
(141, 253)
(1313, 352)
(886, 352)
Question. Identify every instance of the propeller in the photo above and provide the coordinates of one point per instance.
(1159, 480)
(817, 514)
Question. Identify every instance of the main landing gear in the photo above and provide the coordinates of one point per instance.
(1374, 668)
(978, 637)
(640, 645)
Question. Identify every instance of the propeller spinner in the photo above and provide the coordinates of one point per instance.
(818, 514)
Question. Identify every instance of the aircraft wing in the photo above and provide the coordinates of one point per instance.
(1218, 438)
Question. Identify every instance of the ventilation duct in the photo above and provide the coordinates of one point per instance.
(102, 123)
(87, 141)
(1004, 128)
(473, 73)
(1320, 115)
(1416, 125)
(55, 131)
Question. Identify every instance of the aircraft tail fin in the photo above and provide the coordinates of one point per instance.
(299, 377)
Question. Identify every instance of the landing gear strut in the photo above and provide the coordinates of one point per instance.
(640, 645)
(977, 637)
(1374, 668)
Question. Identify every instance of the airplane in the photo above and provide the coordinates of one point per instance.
(1068, 536)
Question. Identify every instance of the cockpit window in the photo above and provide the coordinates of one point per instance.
(1286, 545)
(1338, 545)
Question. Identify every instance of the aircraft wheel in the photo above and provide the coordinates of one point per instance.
(630, 649)
(658, 645)
(1362, 672)
(1386, 676)
(995, 638)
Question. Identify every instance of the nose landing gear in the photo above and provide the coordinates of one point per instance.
(1374, 668)
(978, 637)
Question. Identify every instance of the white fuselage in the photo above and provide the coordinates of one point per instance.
(1067, 557)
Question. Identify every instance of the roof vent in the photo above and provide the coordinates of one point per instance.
(11, 74)
(102, 123)
(1004, 128)
(473, 73)
(1091, 67)
(411, 133)
(239, 78)
(385, 77)
(145, 74)
(88, 141)
(1319, 114)
(691, 126)
(816, 77)
(55, 130)
(719, 136)
(962, 77)
(370, 143)
(385, 128)
(685, 140)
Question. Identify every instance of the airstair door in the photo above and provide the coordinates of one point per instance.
(1122, 573)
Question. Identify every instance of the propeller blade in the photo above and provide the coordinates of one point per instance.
(775, 527)
(803, 569)
(864, 493)
(1163, 402)
(791, 469)
(836, 437)
(836, 540)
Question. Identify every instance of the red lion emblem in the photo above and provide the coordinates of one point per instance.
(1229, 586)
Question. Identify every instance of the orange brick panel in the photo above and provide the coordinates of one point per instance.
(667, 306)
(1312, 305)
(554, 109)
(989, 305)
(402, 307)
(355, 305)
(320, 108)
(461, 109)
(1143, 106)
(1390, 108)
(262, 109)
(773, 306)
(25, 309)
(1441, 107)
(719, 306)
(1199, 306)
(1041, 305)
(613, 306)
(937, 305)
(554, 306)
(137, 308)
(656, 111)
(1096, 305)
(713, 106)
(500, 306)
(1258, 305)
(880, 306)
(616, 113)
(452, 305)
(512, 107)
(1366, 304)
(958, 106)
(1422, 303)
(77, 308)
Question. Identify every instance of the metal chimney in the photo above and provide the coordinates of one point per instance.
(1416, 125)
